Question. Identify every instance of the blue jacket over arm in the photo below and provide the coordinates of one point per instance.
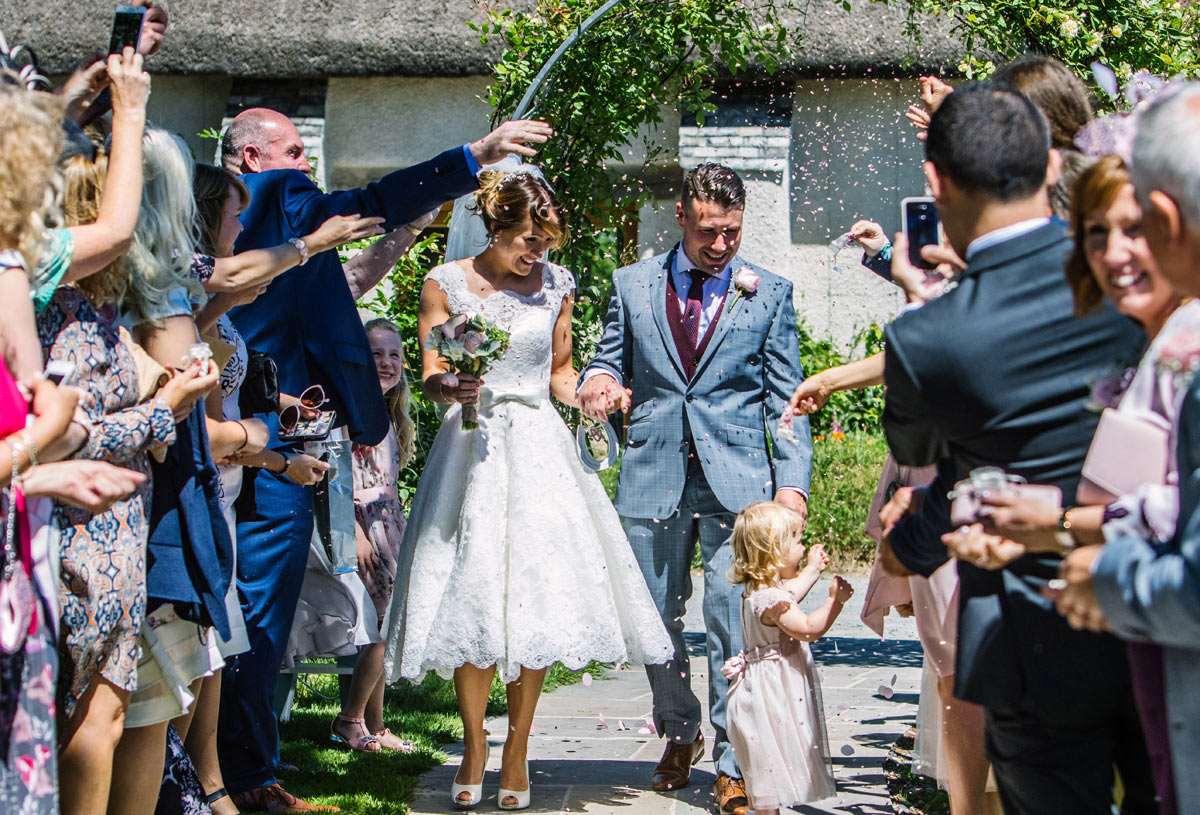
(307, 319)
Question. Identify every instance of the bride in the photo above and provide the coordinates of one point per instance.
(515, 556)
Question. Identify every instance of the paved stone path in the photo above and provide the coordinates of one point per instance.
(578, 766)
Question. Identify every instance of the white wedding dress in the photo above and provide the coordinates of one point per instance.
(513, 554)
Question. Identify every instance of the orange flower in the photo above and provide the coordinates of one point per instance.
(838, 435)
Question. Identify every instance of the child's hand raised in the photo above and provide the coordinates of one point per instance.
(817, 559)
(840, 589)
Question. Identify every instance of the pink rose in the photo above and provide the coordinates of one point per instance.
(746, 280)
(472, 340)
(454, 327)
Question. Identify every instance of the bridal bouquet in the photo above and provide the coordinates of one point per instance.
(470, 344)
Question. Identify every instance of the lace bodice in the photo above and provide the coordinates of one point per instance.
(525, 367)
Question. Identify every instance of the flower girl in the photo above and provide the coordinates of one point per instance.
(776, 723)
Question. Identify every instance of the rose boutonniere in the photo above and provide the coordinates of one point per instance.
(745, 284)
(1180, 355)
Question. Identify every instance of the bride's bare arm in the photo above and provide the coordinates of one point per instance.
(435, 310)
(563, 375)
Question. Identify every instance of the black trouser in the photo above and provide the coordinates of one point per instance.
(1054, 759)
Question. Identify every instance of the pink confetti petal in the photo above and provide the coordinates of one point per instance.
(884, 691)
(644, 731)
(621, 725)
(587, 679)
(893, 682)
(603, 725)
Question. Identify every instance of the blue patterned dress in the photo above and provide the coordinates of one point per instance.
(102, 589)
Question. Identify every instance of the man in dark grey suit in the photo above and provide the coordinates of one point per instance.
(996, 372)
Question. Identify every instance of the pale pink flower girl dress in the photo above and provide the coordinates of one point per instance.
(776, 720)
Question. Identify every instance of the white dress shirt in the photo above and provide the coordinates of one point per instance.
(1004, 233)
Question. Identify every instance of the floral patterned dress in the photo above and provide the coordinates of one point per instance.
(378, 511)
(102, 590)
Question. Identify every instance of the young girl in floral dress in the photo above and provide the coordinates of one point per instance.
(379, 528)
(776, 722)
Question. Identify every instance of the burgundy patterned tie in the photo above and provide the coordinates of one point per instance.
(691, 314)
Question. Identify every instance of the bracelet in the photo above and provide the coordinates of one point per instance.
(287, 462)
(302, 248)
(245, 436)
(1062, 533)
(26, 444)
(416, 233)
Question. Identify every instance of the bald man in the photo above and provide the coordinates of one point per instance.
(308, 323)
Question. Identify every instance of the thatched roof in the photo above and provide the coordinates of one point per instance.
(314, 38)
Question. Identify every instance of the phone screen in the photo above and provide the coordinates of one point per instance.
(126, 29)
(921, 228)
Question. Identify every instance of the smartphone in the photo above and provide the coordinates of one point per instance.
(126, 28)
(921, 228)
(59, 371)
(316, 429)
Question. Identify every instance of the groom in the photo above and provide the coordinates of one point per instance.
(699, 350)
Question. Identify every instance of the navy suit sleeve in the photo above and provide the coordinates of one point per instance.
(399, 197)
(911, 434)
(917, 540)
(782, 374)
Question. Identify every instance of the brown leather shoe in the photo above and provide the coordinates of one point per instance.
(730, 794)
(274, 799)
(675, 768)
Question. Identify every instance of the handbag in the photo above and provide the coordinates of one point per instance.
(967, 505)
(17, 601)
(333, 507)
(1126, 452)
(260, 390)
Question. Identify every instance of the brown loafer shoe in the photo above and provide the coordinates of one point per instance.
(274, 799)
(730, 794)
(675, 768)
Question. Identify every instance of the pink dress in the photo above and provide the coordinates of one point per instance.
(775, 716)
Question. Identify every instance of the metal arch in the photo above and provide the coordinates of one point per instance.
(538, 80)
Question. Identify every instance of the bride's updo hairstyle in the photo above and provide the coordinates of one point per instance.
(505, 199)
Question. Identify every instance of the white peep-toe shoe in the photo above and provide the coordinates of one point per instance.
(474, 790)
(522, 797)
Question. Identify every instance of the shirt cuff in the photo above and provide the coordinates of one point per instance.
(795, 489)
(595, 371)
(472, 164)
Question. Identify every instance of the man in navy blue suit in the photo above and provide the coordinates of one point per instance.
(996, 372)
(307, 321)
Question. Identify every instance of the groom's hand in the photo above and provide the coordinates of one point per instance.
(602, 395)
(795, 501)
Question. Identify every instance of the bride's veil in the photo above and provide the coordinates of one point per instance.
(467, 237)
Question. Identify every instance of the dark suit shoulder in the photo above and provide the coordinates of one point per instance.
(278, 181)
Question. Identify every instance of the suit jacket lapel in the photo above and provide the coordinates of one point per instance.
(729, 312)
(658, 308)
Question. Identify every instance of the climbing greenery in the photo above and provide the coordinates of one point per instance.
(607, 96)
(1158, 36)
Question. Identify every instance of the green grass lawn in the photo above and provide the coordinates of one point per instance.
(379, 783)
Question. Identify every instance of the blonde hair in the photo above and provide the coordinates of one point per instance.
(505, 200)
(30, 141)
(166, 235)
(760, 533)
(399, 398)
(83, 187)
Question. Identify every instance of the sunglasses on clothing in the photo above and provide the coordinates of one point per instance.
(293, 426)
(311, 399)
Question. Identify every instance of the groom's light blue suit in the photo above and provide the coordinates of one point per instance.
(696, 454)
